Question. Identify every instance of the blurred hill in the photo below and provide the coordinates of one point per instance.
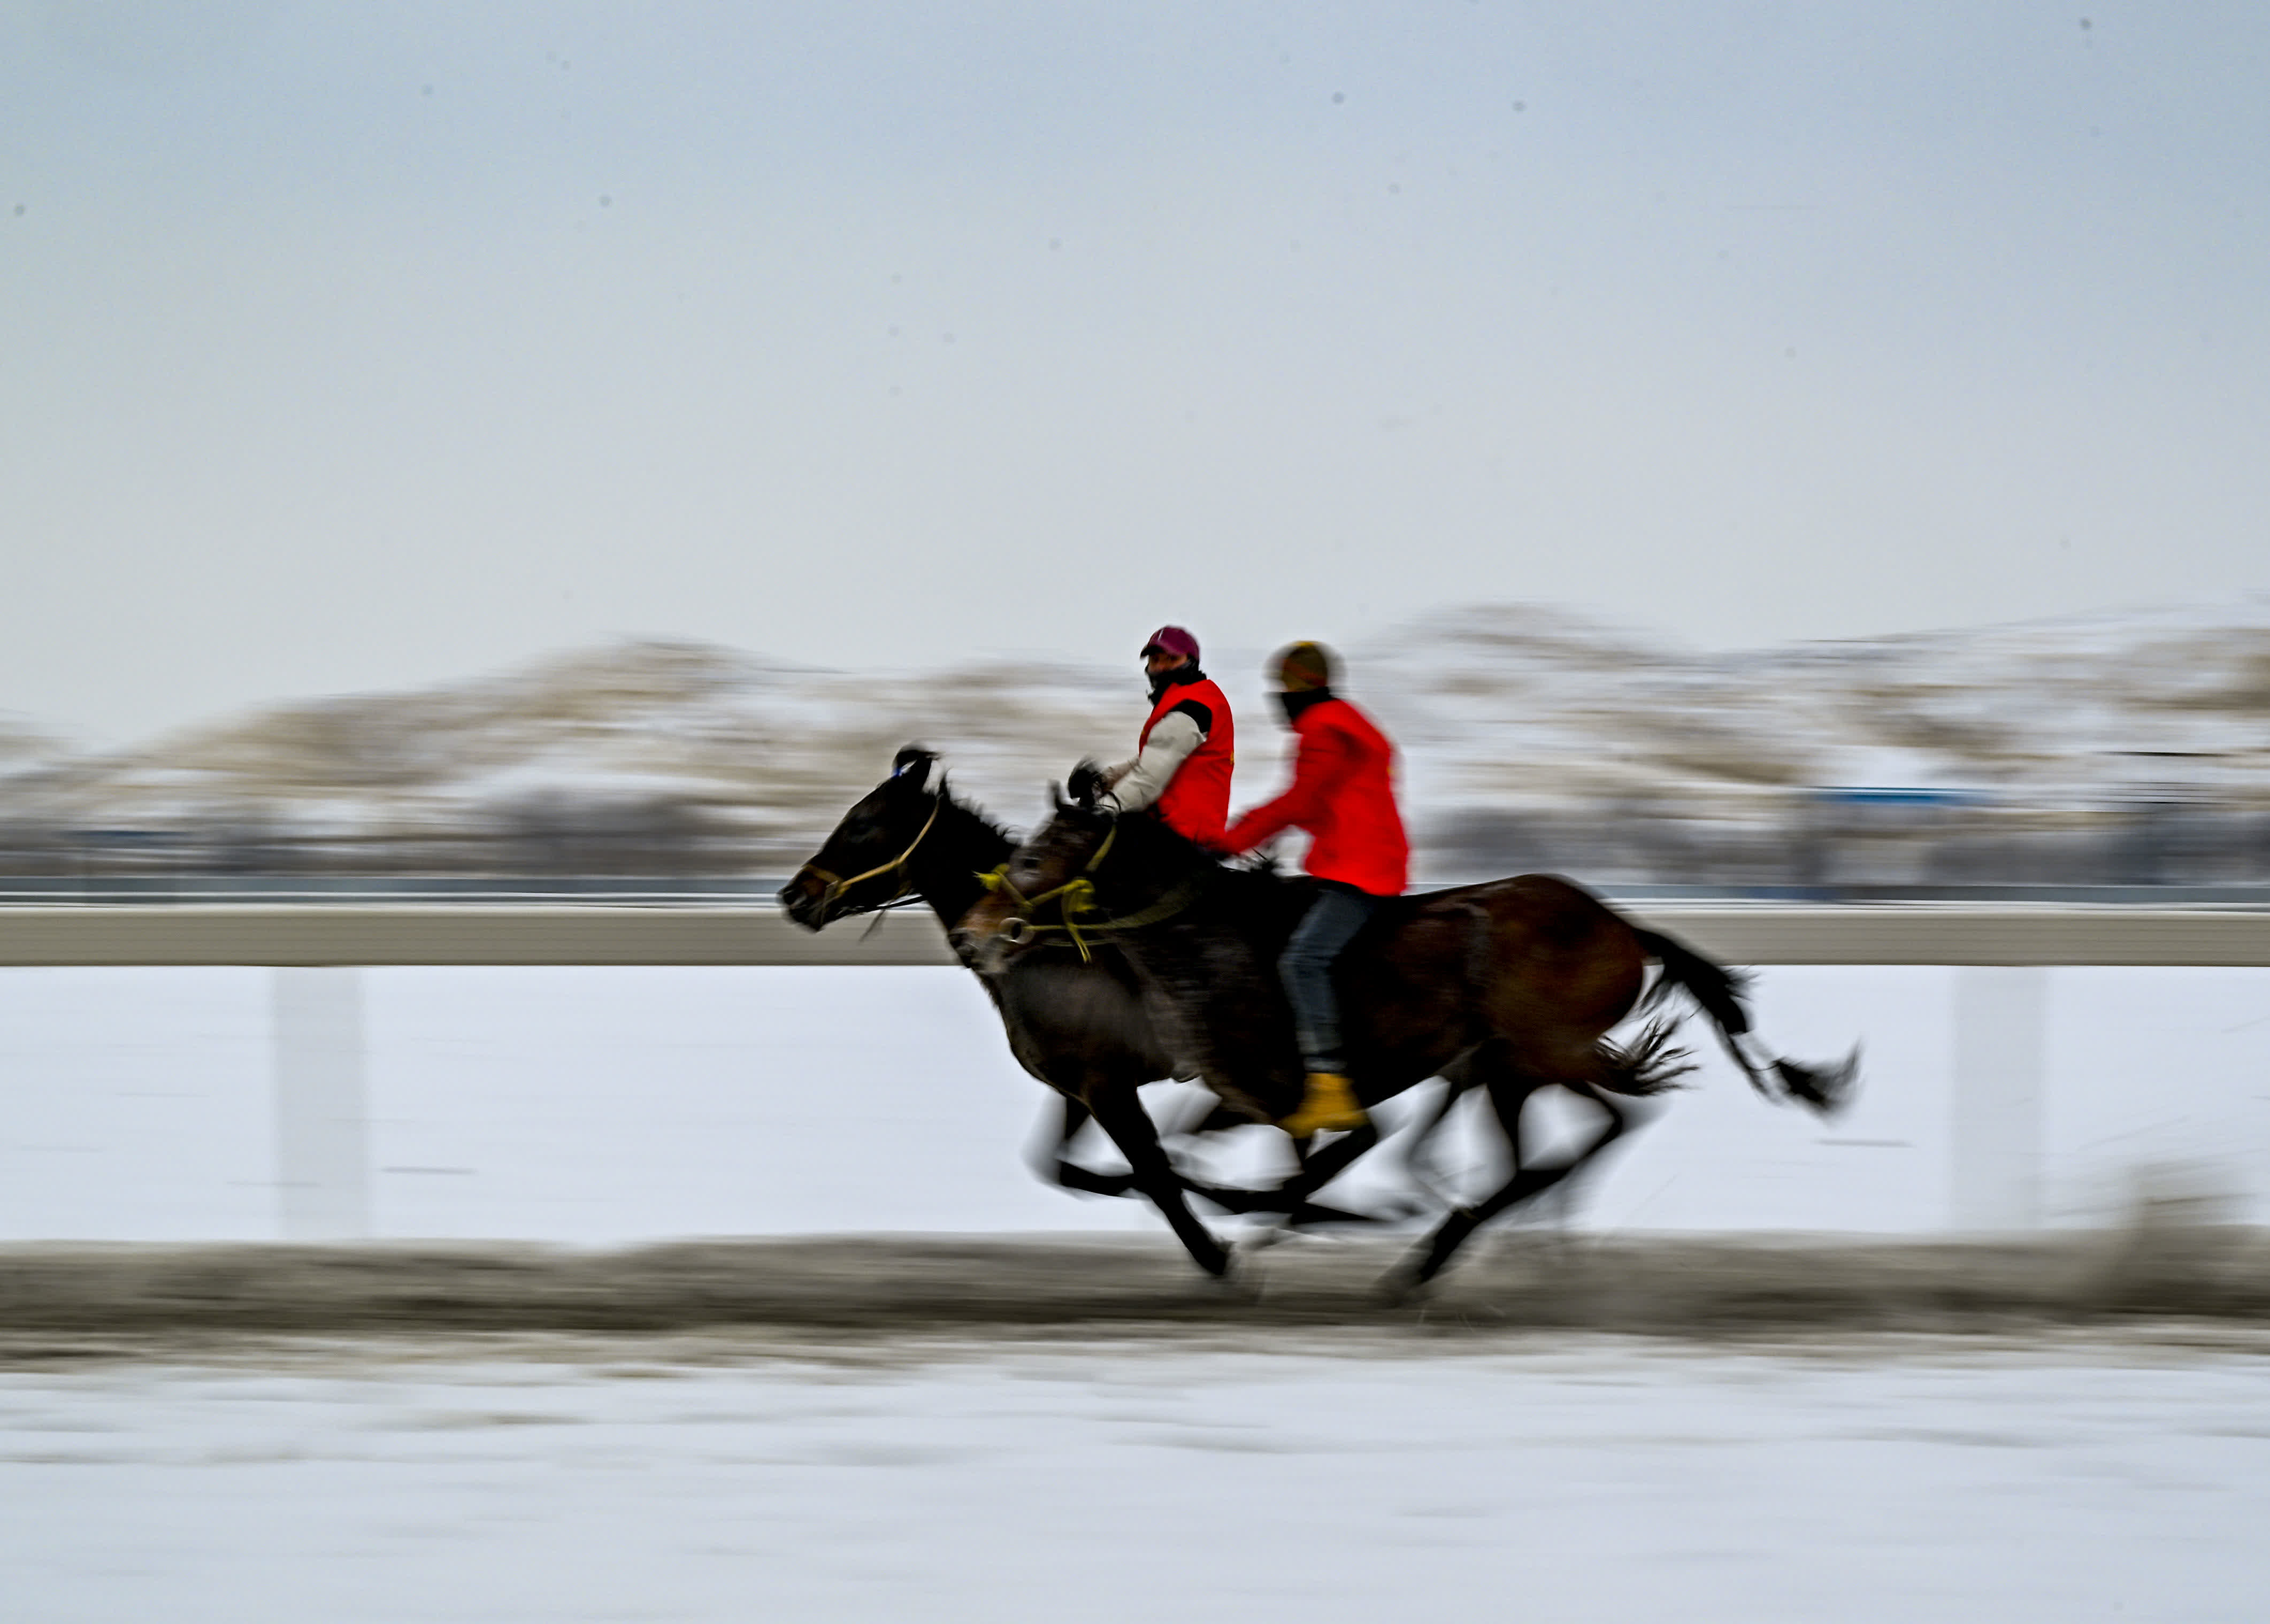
(2128, 748)
(2117, 749)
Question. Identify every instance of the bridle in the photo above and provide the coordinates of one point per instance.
(837, 889)
(1076, 897)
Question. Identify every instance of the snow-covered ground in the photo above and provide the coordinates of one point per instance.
(1581, 1479)
(1230, 1474)
(609, 1106)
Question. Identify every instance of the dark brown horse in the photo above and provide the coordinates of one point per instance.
(1078, 1022)
(1511, 985)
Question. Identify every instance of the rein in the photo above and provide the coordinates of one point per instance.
(837, 888)
(1076, 896)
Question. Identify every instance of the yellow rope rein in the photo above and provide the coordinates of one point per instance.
(1076, 896)
(837, 888)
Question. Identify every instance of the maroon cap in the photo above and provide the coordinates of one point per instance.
(1171, 640)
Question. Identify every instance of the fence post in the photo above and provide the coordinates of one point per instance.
(1994, 1172)
(323, 1152)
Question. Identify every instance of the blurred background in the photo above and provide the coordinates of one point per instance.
(653, 417)
(2097, 757)
(1746, 455)
(556, 452)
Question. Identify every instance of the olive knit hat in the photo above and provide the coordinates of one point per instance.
(1305, 666)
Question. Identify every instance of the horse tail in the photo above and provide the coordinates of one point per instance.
(1719, 992)
(1646, 1065)
(1717, 988)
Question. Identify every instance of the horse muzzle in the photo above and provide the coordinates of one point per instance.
(805, 900)
(987, 951)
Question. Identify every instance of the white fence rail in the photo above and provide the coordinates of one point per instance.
(321, 1116)
(2007, 934)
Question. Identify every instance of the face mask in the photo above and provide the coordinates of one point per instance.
(1167, 679)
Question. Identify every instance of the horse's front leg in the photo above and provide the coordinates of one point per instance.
(1119, 1112)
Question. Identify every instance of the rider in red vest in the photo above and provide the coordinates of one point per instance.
(1343, 794)
(1182, 760)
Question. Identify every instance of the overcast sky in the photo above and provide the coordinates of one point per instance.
(352, 347)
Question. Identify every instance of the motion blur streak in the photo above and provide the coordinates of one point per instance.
(2174, 1258)
(2111, 757)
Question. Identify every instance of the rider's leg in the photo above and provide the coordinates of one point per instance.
(1305, 969)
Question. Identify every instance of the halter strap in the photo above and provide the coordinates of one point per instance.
(837, 888)
(1078, 897)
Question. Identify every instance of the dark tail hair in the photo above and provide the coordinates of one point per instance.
(1720, 990)
(1646, 1065)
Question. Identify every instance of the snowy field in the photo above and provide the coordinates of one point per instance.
(1586, 1479)
(609, 1106)
(1243, 1468)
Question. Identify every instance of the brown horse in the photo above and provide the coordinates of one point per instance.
(1511, 985)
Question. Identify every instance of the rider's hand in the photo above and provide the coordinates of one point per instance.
(1085, 781)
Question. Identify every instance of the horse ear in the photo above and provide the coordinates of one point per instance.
(911, 765)
(1057, 801)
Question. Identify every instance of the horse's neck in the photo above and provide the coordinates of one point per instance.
(1159, 870)
(946, 868)
(1232, 913)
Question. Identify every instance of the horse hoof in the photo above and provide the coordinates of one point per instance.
(1219, 1262)
(1405, 1283)
(1396, 1292)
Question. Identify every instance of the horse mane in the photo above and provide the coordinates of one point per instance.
(1258, 901)
(972, 811)
(913, 757)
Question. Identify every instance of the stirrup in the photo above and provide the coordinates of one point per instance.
(1330, 1107)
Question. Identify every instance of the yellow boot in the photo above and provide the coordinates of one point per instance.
(1329, 1108)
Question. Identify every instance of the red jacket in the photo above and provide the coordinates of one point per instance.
(1343, 793)
(1196, 801)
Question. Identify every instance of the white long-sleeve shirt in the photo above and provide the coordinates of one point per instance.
(1137, 782)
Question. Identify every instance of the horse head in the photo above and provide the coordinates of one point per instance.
(863, 863)
(1086, 872)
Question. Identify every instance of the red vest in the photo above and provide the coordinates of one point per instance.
(1195, 804)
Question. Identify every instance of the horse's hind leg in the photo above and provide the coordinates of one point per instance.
(1458, 1078)
(1293, 1197)
(1509, 1092)
(1119, 1112)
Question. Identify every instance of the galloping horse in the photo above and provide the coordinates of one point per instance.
(1076, 1020)
(1512, 985)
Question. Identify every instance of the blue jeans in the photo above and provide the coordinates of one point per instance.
(1332, 920)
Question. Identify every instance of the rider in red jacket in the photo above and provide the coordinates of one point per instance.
(1343, 794)
(1180, 769)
